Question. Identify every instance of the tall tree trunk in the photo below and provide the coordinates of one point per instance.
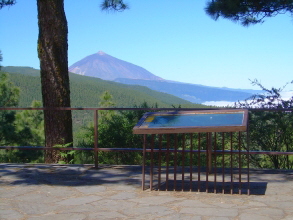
(52, 51)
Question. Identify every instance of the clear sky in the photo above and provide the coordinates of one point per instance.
(175, 40)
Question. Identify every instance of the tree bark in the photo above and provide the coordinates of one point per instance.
(53, 55)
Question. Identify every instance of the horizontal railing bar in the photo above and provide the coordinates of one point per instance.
(67, 148)
(138, 109)
(120, 149)
(268, 152)
(223, 152)
(114, 109)
(147, 150)
(43, 148)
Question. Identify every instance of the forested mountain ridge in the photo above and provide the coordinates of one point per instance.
(25, 70)
(191, 92)
(86, 91)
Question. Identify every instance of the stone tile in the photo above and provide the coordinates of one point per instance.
(266, 211)
(91, 189)
(288, 217)
(114, 205)
(80, 200)
(155, 211)
(282, 205)
(123, 196)
(58, 216)
(123, 187)
(10, 214)
(155, 200)
(45, 197)
(15, 191)
(106, 215)
(191, 203)
(60, 192)
(87, 208)
(248, 216)
(217, 212)
(219, 218)
(34, 208)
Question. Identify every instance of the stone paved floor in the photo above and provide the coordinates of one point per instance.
(80, 192)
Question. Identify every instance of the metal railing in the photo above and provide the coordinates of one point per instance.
(96, 116)
(96, 148)
(151, 149)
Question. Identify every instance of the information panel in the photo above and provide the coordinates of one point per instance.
(192, 121)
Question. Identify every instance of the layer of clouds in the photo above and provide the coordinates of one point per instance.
(219, 103)
(285, 96)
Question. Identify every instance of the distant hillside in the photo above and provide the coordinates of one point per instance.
(25, 70)
(191, 92)
(104, 66)
(86, 91)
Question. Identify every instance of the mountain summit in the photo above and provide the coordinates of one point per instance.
(104, 66)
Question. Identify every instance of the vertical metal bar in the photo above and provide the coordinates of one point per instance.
(248, 161)
(152, 162)
(207, 162)
(239, 159)
(175, 160)
(198, 162)
(183, 160)
(231, 161)
(160, 162)
(167, 160)
(143, 159)
(223, 163)
(209, 152)
(96, 137)
(190, 161)
(215, 162)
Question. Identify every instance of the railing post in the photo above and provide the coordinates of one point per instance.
(209, 150)
(143, 160)
(96, 137)
(248, 160)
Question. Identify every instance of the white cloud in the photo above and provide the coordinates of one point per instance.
(219, 103)
(285, 96)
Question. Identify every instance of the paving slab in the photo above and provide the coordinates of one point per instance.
(42, 191)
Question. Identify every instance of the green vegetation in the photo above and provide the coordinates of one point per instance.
(115, 131)
(270, 130)
(22, 128)
(1, 58)
(9, 95)
(249, 11)
(4, 3)
(24, 70)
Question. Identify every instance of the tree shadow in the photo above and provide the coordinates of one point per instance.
(87, 175)
(69, 175)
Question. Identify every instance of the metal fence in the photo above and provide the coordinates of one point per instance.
(153, 154)
(96, 148)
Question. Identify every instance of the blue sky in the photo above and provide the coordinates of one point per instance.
(175, 40)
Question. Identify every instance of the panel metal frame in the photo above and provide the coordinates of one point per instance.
(139, 128)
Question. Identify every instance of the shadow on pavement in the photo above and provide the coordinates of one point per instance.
(72, 175)
(83, 175)
(256, 188)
